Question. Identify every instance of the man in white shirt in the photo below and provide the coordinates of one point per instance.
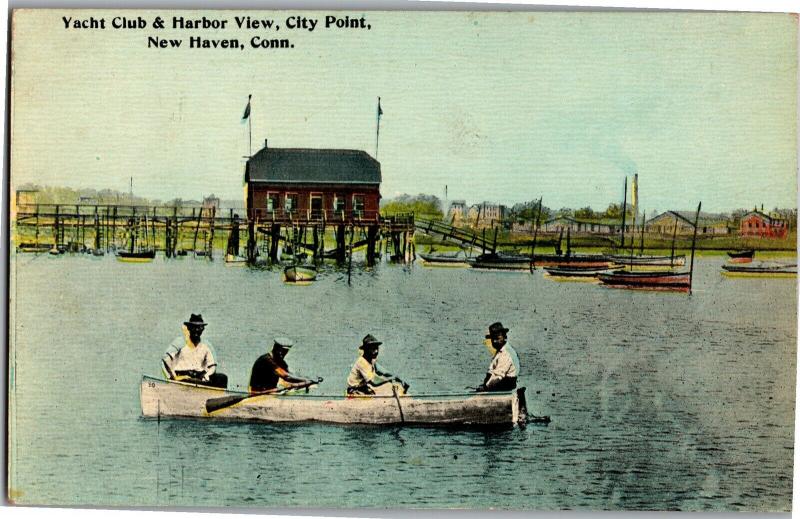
(366, 374)
(504, 369)
(188, 359)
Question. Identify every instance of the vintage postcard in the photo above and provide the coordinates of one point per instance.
(361, 259)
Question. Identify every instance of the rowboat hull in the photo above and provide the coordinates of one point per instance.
(574, 261)
(650, 261)
(658, 280)
(519, 262)
(295, 273)
(761, 270)
(136, 257)
(741, 256)
(497, 262)
(575, 274)
(169, 399)
(455, 260)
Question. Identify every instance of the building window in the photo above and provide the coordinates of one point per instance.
(272, 202)
(290, 204)
(338, 202)
(358, 205)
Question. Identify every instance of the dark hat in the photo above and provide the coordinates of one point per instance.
(369, 340)
(195, 320)
(496, 329)
(284, 342)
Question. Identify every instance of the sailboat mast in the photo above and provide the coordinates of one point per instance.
(569, 245)
(672, 253)
(535, 232)
(132, 230)
(633, 237)
(641, 239)
(694, 239)
(624, 208)
(560, 237)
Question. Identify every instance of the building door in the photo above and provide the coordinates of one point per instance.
(316, 206)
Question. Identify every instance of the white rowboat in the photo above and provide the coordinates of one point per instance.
(170, 399)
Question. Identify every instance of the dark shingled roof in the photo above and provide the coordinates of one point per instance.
(304, 165)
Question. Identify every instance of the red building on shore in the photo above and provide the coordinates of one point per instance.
(756, 223)
(298, 185)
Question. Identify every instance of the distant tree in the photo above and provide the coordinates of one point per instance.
(421, 205)
(526, 211)
(615, 211)
(584, 212)
(566, 211)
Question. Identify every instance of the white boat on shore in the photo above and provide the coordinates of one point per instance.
(170, 399)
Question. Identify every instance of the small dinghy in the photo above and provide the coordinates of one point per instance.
(648, 280)
(143, 256)
(761, 269)
(576, 273)
(445, 259)
(295, 273)
(648, 261)
(741, 256)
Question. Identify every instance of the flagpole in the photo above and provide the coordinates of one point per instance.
(250, 125)
(378, 129)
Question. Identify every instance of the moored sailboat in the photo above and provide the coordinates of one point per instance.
(143, 253)
(661, 280)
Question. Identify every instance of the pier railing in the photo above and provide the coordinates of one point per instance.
(314, 216)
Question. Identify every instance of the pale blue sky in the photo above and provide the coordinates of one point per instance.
(500, 107)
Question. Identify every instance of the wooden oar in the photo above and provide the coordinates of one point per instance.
(215, 404)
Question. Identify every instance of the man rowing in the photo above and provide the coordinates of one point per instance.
(271, 369)
(188, 359)
(504, 368)
(366, 374)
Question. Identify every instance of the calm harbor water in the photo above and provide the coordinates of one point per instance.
(658, 401)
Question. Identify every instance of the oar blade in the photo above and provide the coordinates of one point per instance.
(215, 404)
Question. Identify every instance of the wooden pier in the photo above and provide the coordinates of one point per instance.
(256, 235)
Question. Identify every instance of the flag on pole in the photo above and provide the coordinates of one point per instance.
(635, 194)
(247, 108)
(378, 127)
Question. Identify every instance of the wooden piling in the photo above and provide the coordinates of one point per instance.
(340, 244)
(251, 241)
(350, 261)
(275, 236)
(372, 233)
(315, 234)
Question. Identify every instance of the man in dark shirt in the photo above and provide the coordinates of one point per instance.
(270, 368)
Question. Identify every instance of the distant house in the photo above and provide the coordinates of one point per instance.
(486, 214)
(291, 184)
(707, 223)
(524, 226)
(582, 225)
(457, 212)
(24, 197)
(756, 223)
(211, 202)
